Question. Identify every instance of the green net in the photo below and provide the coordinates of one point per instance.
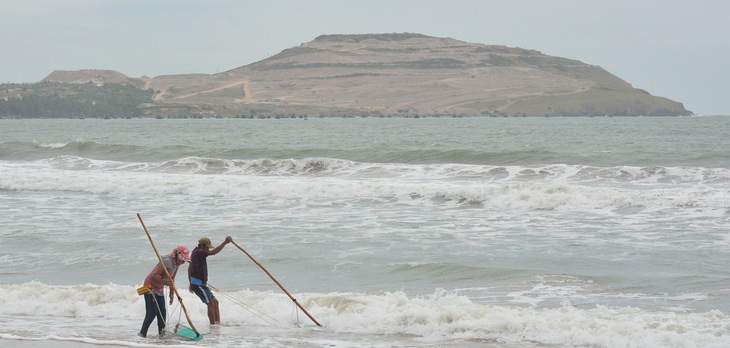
(187, 332)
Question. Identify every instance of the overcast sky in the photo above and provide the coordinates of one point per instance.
(677, 49)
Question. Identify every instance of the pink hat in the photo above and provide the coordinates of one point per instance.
(184, 251)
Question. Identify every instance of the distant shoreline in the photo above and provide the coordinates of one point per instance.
(305, 117)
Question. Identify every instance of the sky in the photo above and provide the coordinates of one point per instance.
(676, 49)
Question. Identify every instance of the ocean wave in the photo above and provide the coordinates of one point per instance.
(35, 150)
(334, 167)
(438, 316)
(553, 187)
(19, 150)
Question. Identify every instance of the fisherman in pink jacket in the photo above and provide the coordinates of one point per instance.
(154, 286)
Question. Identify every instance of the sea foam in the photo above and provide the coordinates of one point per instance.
(441, 315)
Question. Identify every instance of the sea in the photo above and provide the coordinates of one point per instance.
(388, 232)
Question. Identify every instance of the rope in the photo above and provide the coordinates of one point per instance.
(159, 310)
(173, 308)
(176, 308)
(257, 313)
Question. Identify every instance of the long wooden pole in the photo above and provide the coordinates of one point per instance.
(277, 283)
(172, 282)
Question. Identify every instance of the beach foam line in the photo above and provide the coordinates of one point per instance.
(54, 341)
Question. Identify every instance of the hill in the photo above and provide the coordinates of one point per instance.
(394, 74)
(97, 77)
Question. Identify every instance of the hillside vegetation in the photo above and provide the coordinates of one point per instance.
(58, 99)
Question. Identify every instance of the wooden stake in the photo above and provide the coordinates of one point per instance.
(277, 283)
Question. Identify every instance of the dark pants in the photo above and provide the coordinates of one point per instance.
(151, 303)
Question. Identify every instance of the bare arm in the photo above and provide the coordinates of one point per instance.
(220, 247)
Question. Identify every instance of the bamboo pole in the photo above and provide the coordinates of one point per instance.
(172, 282)
(277, 283)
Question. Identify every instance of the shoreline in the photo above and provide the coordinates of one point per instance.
(60, 342)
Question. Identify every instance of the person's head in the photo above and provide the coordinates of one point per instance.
(180, 255)
(205, 242)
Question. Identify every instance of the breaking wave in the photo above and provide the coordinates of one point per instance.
(551, 187)
(441, 315)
